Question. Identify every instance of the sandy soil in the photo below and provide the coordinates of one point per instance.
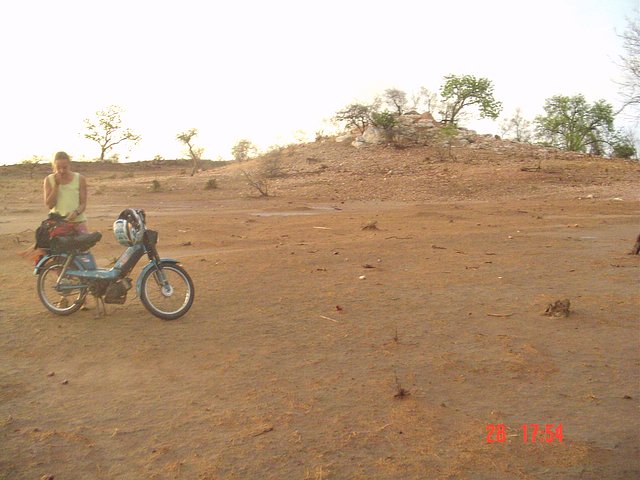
(306, 328)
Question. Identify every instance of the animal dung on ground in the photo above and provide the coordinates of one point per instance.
(636, 248)
(371, 225)
(559, 308)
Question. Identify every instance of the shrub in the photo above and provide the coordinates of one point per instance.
(624, 150)
(155, 186)
(623, 145)
(271, 166)
(258, 182)
(212, 184)
(385, 120)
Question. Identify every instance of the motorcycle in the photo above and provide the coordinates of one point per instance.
(67, 272)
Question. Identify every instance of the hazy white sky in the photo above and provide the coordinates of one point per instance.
(264, 69)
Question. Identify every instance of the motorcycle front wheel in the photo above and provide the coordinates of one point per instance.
(64, 297)
(171, 300)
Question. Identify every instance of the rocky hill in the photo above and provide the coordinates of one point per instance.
(420, 164)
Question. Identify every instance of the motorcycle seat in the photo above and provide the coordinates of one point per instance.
(75, 243)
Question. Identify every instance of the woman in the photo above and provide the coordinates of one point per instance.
(65, 192)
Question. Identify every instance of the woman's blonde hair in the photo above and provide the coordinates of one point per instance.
(62, 156)
(59, 156)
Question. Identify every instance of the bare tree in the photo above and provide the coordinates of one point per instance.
(107, 131)
(31, 164)
(195, 153)
(395, 99)
(431, 100)
(517, 127)
(355, 115)
(257, 181)
(243, 150)
(630, 85)
(425, 99)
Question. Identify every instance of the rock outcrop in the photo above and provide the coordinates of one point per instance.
(420, 129)
(424, 130)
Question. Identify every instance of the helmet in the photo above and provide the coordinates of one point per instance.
(129, 227)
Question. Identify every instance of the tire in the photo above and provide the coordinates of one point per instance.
(60, 303)
(173, 304)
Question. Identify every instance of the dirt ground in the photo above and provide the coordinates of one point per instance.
(317, 349)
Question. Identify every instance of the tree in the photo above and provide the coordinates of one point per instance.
(517, 127)
(31, 164)
(355, 115)
(243, 150)
(447, 134)
(459, 92)
(630, 85)
(623, 144)
(395, 99)
(195, 153)
(106, 129)
(425, 98)
(385, 120)
(571, 123)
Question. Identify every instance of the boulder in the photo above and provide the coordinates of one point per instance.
(375, 135)
(345, 138)
(358, 142)
(426, 123)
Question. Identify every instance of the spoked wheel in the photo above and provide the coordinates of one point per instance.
(171, 300)
(61, 298)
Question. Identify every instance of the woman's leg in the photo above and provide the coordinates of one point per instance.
(81, 227)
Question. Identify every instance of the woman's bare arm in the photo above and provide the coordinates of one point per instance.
(83, 195)
(50, 193)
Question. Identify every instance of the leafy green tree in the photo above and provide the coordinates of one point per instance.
(395, 99)
(385, 120)
(243, 150)
(107, 130)
(355, 115)
(462, 91)
(195, 153)
(571, 123)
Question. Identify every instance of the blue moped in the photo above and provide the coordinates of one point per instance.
(68, 272)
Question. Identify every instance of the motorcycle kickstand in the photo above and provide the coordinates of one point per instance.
(100, 311)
